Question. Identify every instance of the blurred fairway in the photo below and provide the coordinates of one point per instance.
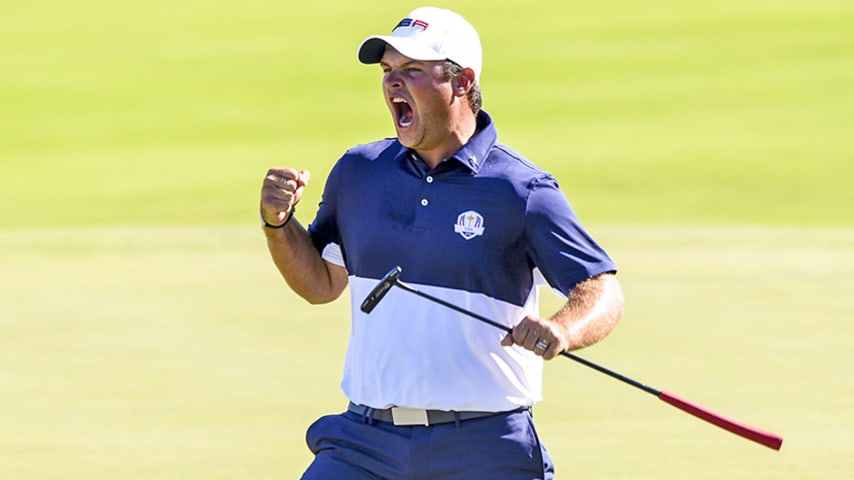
(176, 353)
(144, 333)
(735, 111)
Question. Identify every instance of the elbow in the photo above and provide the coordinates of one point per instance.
(319, 293)
(315, 296)
(619, 300)
(320, 299)
(614, 301)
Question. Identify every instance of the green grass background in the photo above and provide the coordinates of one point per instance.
(144, 333)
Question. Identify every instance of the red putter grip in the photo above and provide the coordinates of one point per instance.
(768, 439)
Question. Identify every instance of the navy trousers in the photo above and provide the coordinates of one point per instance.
(351, 446)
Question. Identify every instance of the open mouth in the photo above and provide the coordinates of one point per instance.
(403, 112)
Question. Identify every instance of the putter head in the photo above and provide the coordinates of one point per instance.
(380, 290)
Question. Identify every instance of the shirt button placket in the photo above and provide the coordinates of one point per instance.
(429, 180)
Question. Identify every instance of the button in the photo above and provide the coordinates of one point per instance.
(429, 179)
(424, 202)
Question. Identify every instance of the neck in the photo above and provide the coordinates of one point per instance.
(460, 133)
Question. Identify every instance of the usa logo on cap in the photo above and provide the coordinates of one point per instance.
(469, 224)
(411, 22)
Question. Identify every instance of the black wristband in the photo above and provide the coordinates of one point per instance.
(290, 216)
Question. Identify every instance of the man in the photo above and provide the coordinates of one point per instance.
(434, 394)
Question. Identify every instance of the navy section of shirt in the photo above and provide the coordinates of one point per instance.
(385, 209)
(414, 227)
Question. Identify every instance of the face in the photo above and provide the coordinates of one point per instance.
(420, 100)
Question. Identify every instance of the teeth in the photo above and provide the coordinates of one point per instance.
(405, 114)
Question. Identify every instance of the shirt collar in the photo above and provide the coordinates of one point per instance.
(473, 153)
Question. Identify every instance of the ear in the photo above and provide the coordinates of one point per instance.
(463, 82)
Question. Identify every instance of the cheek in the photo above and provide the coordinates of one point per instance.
(434, 102)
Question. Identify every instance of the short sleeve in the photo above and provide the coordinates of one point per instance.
(324, 229)
(559, 245)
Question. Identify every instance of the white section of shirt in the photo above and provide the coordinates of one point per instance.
(412, 352)
(332, 254)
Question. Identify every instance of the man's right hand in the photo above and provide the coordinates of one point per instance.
(281, 191)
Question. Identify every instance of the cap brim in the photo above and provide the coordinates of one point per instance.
(373, 48)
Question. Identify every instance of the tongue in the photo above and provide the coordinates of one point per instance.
(406, 115)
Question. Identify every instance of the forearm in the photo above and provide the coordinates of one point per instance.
(592, 310)
(300, 264)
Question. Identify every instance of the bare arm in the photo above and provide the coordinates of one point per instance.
(291, 247)
(592, 310)
(301, 265)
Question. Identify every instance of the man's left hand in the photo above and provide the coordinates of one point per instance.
(542, 336)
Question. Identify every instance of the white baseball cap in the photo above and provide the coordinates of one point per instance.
(429, 34)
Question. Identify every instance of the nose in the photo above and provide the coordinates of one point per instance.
(392, 79)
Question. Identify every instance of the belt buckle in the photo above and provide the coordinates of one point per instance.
(409, 416)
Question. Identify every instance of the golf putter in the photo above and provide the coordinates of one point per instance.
(767, 439)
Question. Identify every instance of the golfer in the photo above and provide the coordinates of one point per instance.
(434, 394)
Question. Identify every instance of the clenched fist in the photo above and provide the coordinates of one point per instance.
(281, 192)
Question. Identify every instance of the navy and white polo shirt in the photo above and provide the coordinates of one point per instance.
(482, 230)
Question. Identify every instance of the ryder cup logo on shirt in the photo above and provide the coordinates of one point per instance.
(469, 224)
